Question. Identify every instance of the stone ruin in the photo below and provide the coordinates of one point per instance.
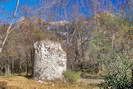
(49, 60)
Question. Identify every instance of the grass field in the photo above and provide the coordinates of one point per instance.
(20, 82)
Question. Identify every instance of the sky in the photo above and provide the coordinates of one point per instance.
(7, 8)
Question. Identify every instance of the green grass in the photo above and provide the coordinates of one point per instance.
(72, 76)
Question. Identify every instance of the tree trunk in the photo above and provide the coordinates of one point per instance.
(7, 69)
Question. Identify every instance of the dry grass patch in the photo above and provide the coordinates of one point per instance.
(19, 82)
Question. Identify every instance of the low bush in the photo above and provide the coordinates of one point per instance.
(119, 75)
(72, 76)
(114, 82)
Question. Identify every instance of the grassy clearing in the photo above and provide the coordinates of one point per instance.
(19, 82)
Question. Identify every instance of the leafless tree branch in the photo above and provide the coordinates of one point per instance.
(9, 30)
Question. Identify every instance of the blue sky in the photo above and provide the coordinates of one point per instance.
(7, 7)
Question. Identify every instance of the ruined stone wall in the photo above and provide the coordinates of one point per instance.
(50, 60)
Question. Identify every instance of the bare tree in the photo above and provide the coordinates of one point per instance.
(9, 30)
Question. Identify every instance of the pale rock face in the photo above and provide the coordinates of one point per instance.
(50, 60)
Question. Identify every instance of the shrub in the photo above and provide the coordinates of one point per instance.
(72, 76)
(113, 82)
(119, 72)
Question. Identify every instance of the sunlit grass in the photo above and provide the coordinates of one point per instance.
(19, 82)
